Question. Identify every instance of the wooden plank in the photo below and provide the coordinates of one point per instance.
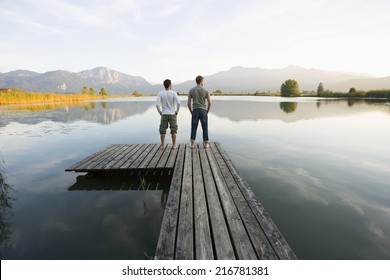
(259, 241)
(149, 157)
(89, 165)
(241, 242)
(167, 239)
(125, 149)
(203, 244)
(141, 157)
(152, 164)
(172, 159)
(279, 244)
(185, 231)
(125, 156)
(80, 163)
(222, 241)
(133, 157)
(111, 157)
(164, 157)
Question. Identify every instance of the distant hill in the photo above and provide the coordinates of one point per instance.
(68, 82)
(236, 79)
(245, 79)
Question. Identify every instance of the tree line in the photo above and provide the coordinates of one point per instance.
(290, 88)
(91, 91)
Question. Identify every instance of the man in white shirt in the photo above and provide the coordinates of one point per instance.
(168, 106)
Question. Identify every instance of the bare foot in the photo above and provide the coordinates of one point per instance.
(192, 145)
(162, 146)
(174, 146)
(206, 145)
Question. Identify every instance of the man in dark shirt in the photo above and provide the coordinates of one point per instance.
(199, 110)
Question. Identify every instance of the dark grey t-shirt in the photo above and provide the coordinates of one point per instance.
(199, 95)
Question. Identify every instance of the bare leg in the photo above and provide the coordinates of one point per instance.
(162, 137)
(174, 140)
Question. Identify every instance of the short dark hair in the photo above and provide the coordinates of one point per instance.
(167, 83)
(198, 79)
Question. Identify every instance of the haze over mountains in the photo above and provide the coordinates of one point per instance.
(236, 79)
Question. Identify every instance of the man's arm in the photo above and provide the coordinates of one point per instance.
(208, 102)
(158, 104)
(177, 104)
(189, 103)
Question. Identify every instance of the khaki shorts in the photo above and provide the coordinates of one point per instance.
(168, 119)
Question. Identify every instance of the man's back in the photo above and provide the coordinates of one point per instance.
(167, 99)
(199, 95)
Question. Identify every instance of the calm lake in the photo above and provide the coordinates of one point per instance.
(321, 167)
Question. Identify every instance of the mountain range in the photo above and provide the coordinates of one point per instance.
(236, 79)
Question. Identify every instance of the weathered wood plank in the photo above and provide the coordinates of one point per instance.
(111, 158)
(241, 241)
(125, 156)
(171, 160)
(222, 241)
(279, 244)
(156, 157)
(149, 157)
(167, 239)
(141, 157)
(203, 241)
(259, 241)
(133, 157)
(80, 163)
(93, 162)
(164, 157)
(185, 232)
(125, 149)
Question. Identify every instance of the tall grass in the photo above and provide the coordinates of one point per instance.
(17, 96)
(21, 97)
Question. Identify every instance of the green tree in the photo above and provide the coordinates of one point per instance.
(352, 90)
(102, 91)
(91, 91)
(320, 89)
(84, 90)
(290, 88)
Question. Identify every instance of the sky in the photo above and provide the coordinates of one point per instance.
(179, 39)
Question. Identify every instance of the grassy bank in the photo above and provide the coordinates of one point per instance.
(16, 96)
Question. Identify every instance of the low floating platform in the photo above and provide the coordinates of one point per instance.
(211, 212)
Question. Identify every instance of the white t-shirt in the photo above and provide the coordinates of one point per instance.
(167, 102)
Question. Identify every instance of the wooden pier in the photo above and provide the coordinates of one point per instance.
(211, 212)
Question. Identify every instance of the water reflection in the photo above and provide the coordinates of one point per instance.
(5, 211)
(288, 107)
(321, 172)
(102, 112)
(142, 181)
(286, 111)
